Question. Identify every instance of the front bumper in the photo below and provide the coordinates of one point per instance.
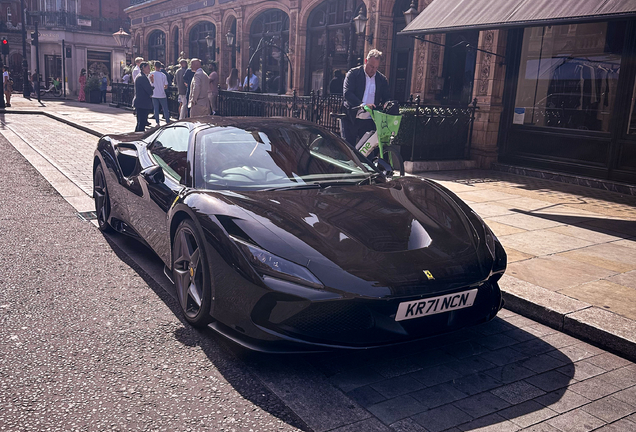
(357, 323)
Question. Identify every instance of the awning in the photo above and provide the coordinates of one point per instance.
(443, 16)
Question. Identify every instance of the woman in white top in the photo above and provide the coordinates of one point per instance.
(232, 81)
(6, 80)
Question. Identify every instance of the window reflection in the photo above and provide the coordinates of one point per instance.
(569, 75)
(233, 158)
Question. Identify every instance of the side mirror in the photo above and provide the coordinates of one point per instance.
(153, 175)
(383, 166)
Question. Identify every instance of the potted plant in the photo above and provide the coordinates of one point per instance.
(92, 89)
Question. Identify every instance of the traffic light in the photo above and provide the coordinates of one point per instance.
(34, 38)
(5, 46)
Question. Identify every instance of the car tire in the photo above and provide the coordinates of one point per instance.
(102, 199)
(191, 274)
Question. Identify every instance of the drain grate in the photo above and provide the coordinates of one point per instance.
(87, 216)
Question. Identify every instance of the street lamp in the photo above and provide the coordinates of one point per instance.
(360, 23)
(209, 41)
(411, 13)
(25, 65)
(122, 38)
(230, 40)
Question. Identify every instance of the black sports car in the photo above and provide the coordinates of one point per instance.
(281, 237)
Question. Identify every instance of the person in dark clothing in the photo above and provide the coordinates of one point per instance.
(167, 74)
(336, 83)
(187, 80)
(103, 87)
(363, 85)
(143, 97)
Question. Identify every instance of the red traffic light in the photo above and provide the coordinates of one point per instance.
(5, 42)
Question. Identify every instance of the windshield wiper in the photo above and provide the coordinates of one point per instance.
(369, 178)
(314, 185)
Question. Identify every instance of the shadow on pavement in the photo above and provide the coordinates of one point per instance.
(550, 187)
(491, 374)
(215, 347)
(614, 227)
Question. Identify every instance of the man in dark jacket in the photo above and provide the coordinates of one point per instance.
(143, 97)
(363, 85)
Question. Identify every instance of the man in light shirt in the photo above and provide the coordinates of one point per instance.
(251, 83)
(159, 98)
(363, 85)
(136, 71)
(199, 103)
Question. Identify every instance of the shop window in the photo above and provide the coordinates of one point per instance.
(568, 76)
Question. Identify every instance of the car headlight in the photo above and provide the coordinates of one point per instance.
(269, 264)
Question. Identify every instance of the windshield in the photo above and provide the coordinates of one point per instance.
(274, 156)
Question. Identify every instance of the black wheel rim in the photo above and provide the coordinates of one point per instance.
(102, 203)
(188, 272)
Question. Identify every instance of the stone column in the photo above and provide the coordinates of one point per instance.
(382, 39)
(488, 89)
(426, 77)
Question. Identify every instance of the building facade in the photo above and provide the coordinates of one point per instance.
(74, 35)
(555, 93)
(294, 44)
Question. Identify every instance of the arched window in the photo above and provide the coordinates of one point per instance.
(157, 46)
(199, 44)
(269, 42)
(332, 42)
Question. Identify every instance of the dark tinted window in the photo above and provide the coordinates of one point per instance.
(273, 156)
(170, 150)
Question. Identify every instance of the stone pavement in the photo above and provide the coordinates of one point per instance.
(510, 374)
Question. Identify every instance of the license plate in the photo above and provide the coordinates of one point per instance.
(435, 305)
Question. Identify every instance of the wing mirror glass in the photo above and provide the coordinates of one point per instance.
(153, 175)
(383, 166)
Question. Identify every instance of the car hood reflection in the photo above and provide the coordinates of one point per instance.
(375, 233)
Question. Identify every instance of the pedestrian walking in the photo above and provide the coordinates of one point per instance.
(232, 82)
(8, 85)
(213, 91)
(182, 89)
(82, 81)
(103, 88)
(199, 103)
(159, 98)
(143, 96)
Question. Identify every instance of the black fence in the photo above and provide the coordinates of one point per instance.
(434, 132)
(427, 132)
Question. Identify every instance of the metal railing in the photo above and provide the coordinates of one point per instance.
(434, 132)
(427, 132)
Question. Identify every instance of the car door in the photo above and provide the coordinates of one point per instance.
(162, 177)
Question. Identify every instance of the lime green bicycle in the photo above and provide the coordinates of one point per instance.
(387, 127)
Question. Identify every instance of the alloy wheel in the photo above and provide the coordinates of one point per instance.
(188, 272)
